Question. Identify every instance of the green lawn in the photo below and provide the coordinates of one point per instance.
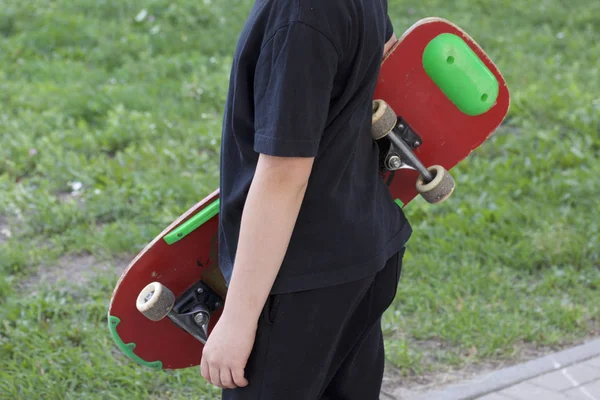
(110, 128)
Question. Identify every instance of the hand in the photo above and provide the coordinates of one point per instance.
(226, 352)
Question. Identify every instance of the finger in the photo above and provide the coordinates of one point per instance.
(215, 376)
(238, 377)
(204, 369)
(226, 379)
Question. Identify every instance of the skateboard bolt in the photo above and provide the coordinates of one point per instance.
(200, 318)
(200, 290)
(394, 162)
(417, 143)
(149, 296)
(217, 304)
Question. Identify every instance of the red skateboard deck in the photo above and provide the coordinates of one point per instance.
(449, 126)
(448, 134)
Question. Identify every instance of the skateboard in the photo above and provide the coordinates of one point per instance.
(438, 98)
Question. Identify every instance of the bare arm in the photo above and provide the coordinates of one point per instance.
(268, 219)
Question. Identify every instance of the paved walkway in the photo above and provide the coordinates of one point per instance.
(573, 374)
(579, 381)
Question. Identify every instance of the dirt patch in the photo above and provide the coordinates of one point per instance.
(77, 270)
(398, 387)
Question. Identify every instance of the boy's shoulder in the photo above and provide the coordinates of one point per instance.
(307, 8)
(332, 18)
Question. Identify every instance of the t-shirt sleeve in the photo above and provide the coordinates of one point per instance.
(292, 91)
(389, 28)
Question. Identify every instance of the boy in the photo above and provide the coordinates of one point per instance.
(311, 242)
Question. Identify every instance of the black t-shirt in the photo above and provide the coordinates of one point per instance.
(302, 83)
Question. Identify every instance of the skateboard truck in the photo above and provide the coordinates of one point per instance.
(435, 184)
(191, 311)
(402, 140)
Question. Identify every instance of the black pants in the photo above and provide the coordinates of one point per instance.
(322, 344)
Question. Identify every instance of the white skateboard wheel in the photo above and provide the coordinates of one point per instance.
(155, 301)
(439, 189)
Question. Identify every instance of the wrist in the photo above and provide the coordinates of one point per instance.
(241, 314)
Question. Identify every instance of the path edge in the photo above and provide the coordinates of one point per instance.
(510, 376)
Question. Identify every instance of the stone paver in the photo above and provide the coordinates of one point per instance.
(567, 378)
(495, 396)
(527, 391)
(586, 392)
(572, 374)
(594, 362)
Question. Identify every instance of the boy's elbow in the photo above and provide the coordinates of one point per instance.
(390, 43)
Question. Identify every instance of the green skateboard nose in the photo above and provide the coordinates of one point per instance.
(460, 74)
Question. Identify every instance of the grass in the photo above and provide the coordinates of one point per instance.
(110, 124)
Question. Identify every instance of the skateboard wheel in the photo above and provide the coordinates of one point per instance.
(439, 189)
(383, 119)
(155, 301)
